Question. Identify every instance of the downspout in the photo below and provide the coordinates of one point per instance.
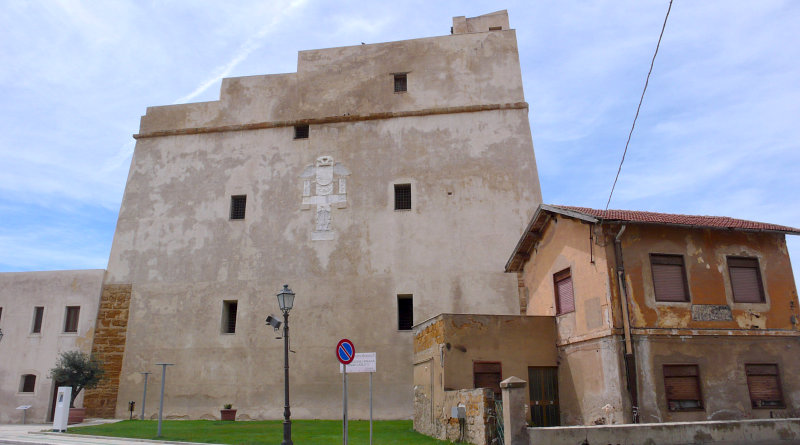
(630, 361)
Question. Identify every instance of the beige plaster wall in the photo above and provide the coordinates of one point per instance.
(474, 183)
(22, 352)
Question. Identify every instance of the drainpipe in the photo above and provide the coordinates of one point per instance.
(630, 362)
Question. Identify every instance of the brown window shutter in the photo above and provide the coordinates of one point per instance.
(669, 277)
(565, 297)
(682, 387)
(764, 386)
(745, 280)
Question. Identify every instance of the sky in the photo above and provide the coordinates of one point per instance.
(718, 131)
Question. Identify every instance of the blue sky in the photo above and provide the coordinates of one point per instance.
(718, 132)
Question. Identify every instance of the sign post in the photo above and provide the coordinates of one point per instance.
(345, 352)
(363, 362)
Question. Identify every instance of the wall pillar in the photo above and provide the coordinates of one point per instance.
(515, 424)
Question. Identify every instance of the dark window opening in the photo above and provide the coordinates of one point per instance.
(745, 280)
(71, 319)
(682, 388)
(565, 297)
(402, 196)
(27, 383)
(38, 314)
(301, 131)
(238, 205)
(488, 375)
(764, 386)
(400, 83)
(669, 277)
(229, 309)
(495, 28)
(405, 312)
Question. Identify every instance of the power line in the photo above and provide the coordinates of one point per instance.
(652, 62)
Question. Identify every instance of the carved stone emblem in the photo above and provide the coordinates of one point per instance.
(711, 312)
(319, 189)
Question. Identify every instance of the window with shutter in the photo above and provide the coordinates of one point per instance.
(565, 298)
(71, 318)
(669, 277)
(488, 375)
(745, 280)
(764, 386)
(682, 388)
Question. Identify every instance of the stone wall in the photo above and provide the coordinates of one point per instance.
(476, 428)
(109, 347)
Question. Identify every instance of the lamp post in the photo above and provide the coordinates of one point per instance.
(1, 334)
(286, 301)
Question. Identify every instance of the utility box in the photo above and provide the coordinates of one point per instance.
(458, 412)
(61, 412)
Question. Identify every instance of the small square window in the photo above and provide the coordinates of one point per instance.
(238, 205)
(669, 277)
(71, 318)
(229, 309)
(565, 297)
(402, 196)
(682, 388)
(400, 83)
(495, 28)
(38, 315)
(301, 131)
(764, 386)
(27, 383)
(405, 312)
(746, 281)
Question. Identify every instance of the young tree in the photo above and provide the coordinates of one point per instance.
(78, 370)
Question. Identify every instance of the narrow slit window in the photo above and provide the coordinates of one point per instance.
(746, 281)
(402, 196)
(38, 315)
(27, 383)
(71, 318)
(764, 386)
(400, 83)
(238, 205)
(229, 310)
(669, 277)
(405, 312)
(301, 131)
(682, 388)
(565, 297)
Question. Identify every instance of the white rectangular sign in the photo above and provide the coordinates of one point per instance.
(362, 362)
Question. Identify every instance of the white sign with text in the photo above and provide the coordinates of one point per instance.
(362, 362)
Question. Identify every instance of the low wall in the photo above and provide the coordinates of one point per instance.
(672, 433)
(476, 429)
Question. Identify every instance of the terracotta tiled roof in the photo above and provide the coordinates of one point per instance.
(722, 222)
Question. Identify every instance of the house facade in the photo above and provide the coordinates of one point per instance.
(663, 317)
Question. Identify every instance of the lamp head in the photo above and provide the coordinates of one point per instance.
(286, 298)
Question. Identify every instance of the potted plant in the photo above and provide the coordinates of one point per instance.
(78, 370)
(227, 413)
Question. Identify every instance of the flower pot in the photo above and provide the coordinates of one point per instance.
(76, 415)
(227, 414)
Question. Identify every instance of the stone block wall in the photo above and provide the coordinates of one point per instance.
(109, 347)
(477, 426)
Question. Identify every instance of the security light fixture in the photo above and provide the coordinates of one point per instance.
(1, 334)
(274, 322)
(286, 299)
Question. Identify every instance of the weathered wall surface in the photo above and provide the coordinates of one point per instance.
(109, 347)
(475, 428)
(473, 180)
(23, 352)
(743, 432)
(446, 347)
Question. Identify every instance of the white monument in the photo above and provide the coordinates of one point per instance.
(61, 414)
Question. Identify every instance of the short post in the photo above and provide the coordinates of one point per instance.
(515, 425)
(344, 402)
(144, 393)
(161, 402)
(370, 408)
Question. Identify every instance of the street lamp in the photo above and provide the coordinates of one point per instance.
(285, 302)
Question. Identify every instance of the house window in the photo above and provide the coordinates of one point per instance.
(764, 386)
(682, 388)
(238, 204)
(27, 383)
(745, 280)
(488, 375)
(405, 312)
(565, 298)
(301, 131)
(402, 196)
(229, 309)
(400, 83)
(38, 314)
(71, 319)
(669, 277)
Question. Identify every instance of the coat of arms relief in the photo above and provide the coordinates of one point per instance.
(324, 187)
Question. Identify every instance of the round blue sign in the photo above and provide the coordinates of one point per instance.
(345, 351)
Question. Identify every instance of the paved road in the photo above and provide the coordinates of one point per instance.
(40, 434)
